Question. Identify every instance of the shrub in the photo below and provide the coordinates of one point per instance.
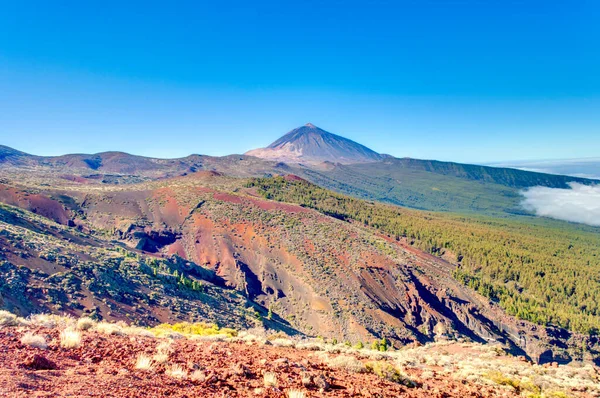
(7, 319)
(383, 344)
(33, 340)
(311, 346)
(144, 362)
(279, 342)
(186, 328)
(347, 362)
(49, 320)
(499, 378)
(137, 331)
(212, 337)
(111, 329)
(70, 338)
(177, 372)
(85, 323)
(389, 372)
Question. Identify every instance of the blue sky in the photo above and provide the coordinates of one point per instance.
(469, 81)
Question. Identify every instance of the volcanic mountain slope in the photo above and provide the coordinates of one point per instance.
(48, 267)
(10, 156)
(309, 144)
(301, 270)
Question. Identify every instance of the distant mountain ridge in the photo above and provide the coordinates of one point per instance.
(311, 144)
(325, 159)
(9, 155)
(510, 177)
(121, 164)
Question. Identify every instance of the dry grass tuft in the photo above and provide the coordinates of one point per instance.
(52, 321)
(296, 394)
(177, 372)
(282, 342)
(33, 340)
(198, 376)
(111, 329)
(311, 346)
(144, 362)
(165, 347)
(270, 379)
(70, 338)
(160, 358)
(8, 319)
(347, 362)
(163, 351)
(85, 323)
(137, 331)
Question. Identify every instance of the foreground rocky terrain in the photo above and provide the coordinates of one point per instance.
(51, 356)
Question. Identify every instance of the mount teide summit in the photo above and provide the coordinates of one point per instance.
(310, 144)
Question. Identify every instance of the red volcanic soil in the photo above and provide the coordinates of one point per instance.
(262, 204)
(226, 197)
(267, 205)
(293, 177)
(177, 248)
(35, 203)
(104, 366)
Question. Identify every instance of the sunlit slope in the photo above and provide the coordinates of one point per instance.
(544, 271)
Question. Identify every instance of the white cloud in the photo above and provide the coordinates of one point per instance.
(582, 167)
(580, 203)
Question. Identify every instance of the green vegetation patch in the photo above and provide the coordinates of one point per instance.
(540, 270)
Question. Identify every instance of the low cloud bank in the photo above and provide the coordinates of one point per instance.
(579, 204)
